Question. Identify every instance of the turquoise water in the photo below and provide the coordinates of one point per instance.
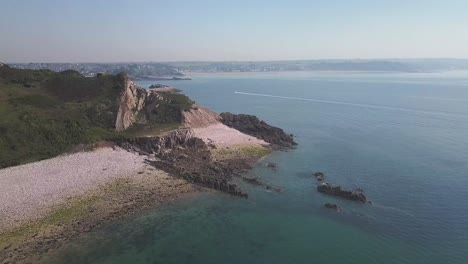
(403, 138)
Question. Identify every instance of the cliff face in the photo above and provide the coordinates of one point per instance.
(149, 107)
(132, 100)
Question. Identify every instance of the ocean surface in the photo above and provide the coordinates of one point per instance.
(402, 138)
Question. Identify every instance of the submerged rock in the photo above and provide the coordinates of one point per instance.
(253, 181)
(271, 188)
(320, 176)
(333, 206)
(356, 195)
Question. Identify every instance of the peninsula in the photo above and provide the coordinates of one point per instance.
(77, 152)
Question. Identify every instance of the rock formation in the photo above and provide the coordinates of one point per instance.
(188, 157)
(153, 107)
(132, 101)
(356, 195)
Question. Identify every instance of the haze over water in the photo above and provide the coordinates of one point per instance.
(402, 138)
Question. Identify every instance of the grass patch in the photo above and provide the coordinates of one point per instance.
(36, 100)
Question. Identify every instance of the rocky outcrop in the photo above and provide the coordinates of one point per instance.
(131, 102)
(183, 155)
(255, 127)
(356, 195)
(158, 85)
(160, 144)
(253, 181)
(149, 107)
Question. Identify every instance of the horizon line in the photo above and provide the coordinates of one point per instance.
(213, 61)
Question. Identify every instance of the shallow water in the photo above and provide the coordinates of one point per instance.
(403, 138)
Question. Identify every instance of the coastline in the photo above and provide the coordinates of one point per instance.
(115, 171)
(146, 186)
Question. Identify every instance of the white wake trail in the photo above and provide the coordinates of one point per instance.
(354, 104)
(439, 98)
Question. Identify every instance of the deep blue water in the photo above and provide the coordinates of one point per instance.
(403, 138)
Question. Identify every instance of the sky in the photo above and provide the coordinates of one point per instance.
(199, 30)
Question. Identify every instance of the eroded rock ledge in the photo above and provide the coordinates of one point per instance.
(183, 155)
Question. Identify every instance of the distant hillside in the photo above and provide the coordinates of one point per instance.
(299, 65)
(436, 64)
(134, 70)
(44, 113)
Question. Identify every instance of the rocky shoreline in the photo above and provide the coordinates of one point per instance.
(54, 201)
(157, 145)
(187, 157)
(186, 164)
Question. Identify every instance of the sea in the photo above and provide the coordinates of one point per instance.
(400, 137)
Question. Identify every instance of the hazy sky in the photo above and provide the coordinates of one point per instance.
(144, 30)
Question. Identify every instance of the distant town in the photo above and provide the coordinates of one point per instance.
(179, 70)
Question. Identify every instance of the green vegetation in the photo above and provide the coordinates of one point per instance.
(150, 130)
(169, 109)
(44, 113)
(253, 151)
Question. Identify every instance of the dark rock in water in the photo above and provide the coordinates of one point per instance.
(253, 181)
(181, 79)
(356, 195)
(333, 206)
(257, 182)
(271, 165)
(276, 189)
(319, 176)
(255, 127)
(153, 86)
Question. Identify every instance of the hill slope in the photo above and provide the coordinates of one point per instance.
(45, 113)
